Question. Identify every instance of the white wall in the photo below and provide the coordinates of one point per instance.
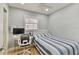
(65, 23)
(16, 19)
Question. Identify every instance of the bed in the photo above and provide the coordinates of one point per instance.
(48, 44)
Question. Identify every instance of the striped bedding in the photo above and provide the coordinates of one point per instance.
(52, 45)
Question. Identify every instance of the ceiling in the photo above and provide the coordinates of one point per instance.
(44, 8)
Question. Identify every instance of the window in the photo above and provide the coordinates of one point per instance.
(31, 23)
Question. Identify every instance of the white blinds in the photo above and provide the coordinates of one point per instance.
(31, 26)
(31, 23)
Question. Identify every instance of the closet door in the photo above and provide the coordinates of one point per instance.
(1, 28)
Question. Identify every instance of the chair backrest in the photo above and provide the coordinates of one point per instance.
(24, 40)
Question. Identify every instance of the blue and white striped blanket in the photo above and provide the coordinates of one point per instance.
(52, 45)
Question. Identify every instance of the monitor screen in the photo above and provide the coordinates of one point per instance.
(18, 30)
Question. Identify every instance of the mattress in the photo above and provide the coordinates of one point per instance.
(52, 45)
